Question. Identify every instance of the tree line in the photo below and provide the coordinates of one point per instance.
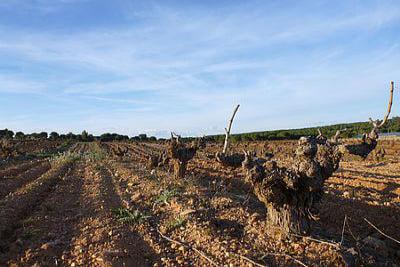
(353, 130)
(83, 137)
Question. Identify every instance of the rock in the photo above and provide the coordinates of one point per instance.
(48, 245)
(180, 260)
(45, 246)
(136, 197)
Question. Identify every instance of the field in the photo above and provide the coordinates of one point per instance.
(99, 204)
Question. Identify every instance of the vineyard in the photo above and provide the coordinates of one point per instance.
(316, 201)
(121, 203)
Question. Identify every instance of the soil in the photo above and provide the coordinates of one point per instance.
(104, 208)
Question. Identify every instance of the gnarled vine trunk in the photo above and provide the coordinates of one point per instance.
(181, 154)
(364, 148)
(290, 194)
(287, 219)
(180, 169)
(157, 160)
(6, 149)
(230, 160)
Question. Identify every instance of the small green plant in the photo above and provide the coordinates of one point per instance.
(127, 216)
(29, 234)
(45, 154)
(98, 167)
(176, 223)
(65, 145)
(166, 195)
(66, 157)
(95, 155)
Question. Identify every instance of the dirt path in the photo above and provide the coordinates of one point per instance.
(102, 240)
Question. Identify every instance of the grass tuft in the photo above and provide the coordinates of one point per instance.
(127, 216)
(166, 195)
(176, 223)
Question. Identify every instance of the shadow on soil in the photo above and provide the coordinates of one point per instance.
(139, 253)
(333, 210)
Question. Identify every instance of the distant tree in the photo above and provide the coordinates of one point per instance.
(84, 136)
(71, 136)
(33, 136)
(54, 136)
(106, 137)
(91, 138)
(43, 135)
(142, 137)
(135, 138)
(6, 134)
(19, 135)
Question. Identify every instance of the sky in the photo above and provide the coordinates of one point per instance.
(158, 66)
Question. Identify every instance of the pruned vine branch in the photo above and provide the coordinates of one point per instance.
(370, 140)
(228, 130)
(377, 123)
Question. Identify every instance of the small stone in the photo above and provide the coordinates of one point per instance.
(45, 246)
(180, 260)
(136, 196)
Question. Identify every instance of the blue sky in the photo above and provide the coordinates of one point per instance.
(159, 66)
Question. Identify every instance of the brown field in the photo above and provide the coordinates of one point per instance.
(95, 206)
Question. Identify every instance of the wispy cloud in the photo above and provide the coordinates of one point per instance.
(184, 66)
(20, 85)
